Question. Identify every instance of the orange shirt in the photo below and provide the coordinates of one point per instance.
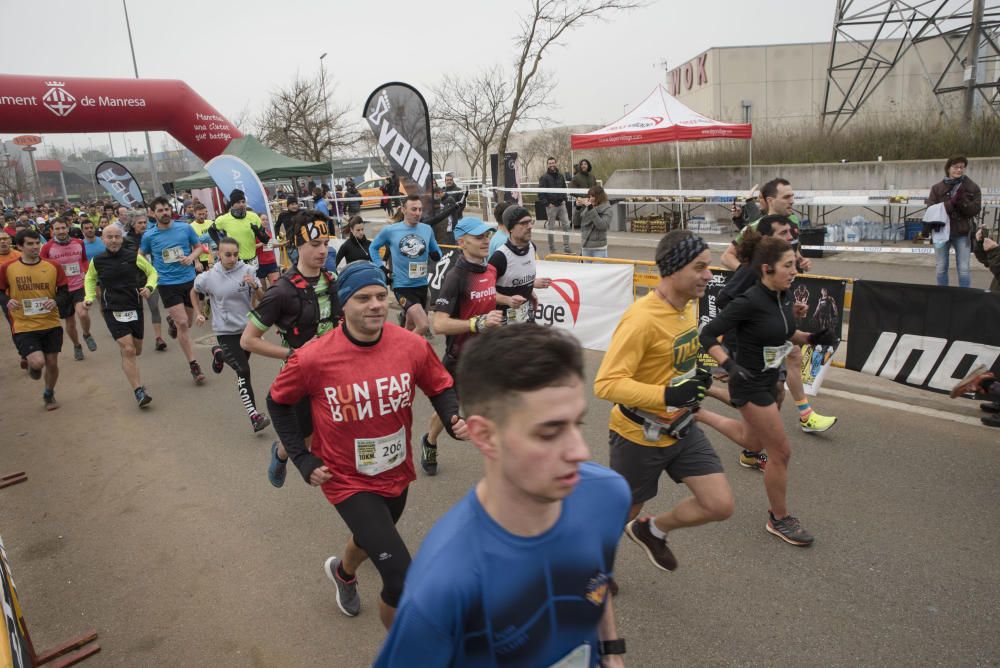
(31, 285)
(10, 257)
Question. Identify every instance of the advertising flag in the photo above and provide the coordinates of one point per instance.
(230, 173)
(120, 184)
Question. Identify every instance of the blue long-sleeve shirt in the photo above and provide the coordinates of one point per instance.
(410, 247)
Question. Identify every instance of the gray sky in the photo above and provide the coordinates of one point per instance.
(233, 53)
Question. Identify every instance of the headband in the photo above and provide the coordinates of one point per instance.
(357, 275)
(313, 230)
(681, 255)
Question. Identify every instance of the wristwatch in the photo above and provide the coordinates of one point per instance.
(616, 646)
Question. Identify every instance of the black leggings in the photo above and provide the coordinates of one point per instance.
(239, 360)
(372, 519)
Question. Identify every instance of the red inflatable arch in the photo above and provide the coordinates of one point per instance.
(33, 104)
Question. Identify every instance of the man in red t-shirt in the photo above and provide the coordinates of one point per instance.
(360, 379)
(71, 255)
(465, 306)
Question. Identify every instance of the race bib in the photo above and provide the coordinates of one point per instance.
(126, 316)
(418, 269)
(33, 306)
(375, 455)
(520, 314)
(578, 658)
(775, 355)
(173, 254)
(72, 269)
(269, 245)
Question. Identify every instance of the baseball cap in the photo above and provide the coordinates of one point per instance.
(471, 225)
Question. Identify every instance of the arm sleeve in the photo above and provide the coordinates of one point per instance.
(499, 262)
(446, 406)
(376, 246)
(152, 278)
(728, 318)
(287, 390)
(415, 639)
(261, 233)
(90, 283)
(615, 379)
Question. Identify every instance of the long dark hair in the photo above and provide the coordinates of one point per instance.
(759, 250)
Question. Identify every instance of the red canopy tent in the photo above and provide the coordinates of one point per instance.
(661, 118)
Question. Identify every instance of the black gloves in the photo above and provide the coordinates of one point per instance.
(684, 394)
(736, 371)
(824, 337)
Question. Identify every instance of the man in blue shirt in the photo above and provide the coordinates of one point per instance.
(91, 242)
(410, 243)
(173, 247)
(517, 573)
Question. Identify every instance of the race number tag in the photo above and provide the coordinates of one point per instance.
(34, 306)
(126, 316)
(72, 269)
(418, 269)
(520, 314)
(269, 246)
(578, 658)
(173, 254)
(375, 455)
(775, 355)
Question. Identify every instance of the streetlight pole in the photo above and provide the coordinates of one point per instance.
(326, 108)
(149, 146)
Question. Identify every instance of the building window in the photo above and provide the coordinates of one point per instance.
(747, 106)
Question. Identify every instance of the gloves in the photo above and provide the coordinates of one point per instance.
(685, 394)
(704, 376)
(824, 337)
(736, 371)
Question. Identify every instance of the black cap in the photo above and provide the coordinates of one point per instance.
(236, 196)
(512, 214)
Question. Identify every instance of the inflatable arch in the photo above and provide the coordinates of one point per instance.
(34, 104)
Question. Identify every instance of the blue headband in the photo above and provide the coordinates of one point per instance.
(358, 275)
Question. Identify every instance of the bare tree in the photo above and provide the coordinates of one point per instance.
(244, 120)
(444, 143)
(295, 122)
(552, 142)
(546, 24)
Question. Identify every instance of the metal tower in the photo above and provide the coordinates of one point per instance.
(971, 31)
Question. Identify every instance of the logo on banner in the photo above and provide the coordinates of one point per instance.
(892, 352)
(58, 100)
(570, 292)
(120, 184)
(400, 150)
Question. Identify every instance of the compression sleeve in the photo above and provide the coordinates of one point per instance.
(446, 406)
(286, 424)
(90, 284)
(152, 278)
(615, 379)
(261, 233)
(214, 233)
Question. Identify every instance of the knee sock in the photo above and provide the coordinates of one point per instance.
(805, 410)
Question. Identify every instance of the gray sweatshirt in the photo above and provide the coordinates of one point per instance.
(594, 224)
(229, 295)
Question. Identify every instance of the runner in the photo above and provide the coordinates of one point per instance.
(356, 246)
(360, 381)
(764, 321)
(92, 243)
(302, 305)
(173, 248)
(202, 226)
(517, 573)
(121, 301)
(243, 225)
(71, 254)
(134, 228)
(465, 306)
(230, 285)
(650, 373)
(267, 263)
(32, 292)
(514, 261)
(7, 252)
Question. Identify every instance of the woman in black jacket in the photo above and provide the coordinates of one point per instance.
(356, 246)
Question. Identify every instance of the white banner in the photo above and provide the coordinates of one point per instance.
(586, 299)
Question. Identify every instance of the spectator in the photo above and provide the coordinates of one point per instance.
(353, 206)
(555, 204)
(595, 219)
(988, 252)
(963, 201)
(583, 179)
(319, 202)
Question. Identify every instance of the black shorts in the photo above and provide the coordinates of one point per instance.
(118, 328)
(641, 465)
(265, 269)
(372, 520)
(172, 295)
(303, 412)
(75, 297)
(762, 390)
(47, 341)
(408, 297)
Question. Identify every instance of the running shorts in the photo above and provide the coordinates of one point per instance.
(75, 297)
(641, 465)
(762, 390)
(47, 341)
(125, 323)
(172, 295)
(408, 297)
(265, 269)
(372, 520)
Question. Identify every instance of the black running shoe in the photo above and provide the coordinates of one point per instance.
(49, 398)
(992, 407)
(35, 373)
(196, 373)
(217, 360)
(142, 398)
(428, 456)
(991, 420)
(656, 549)
(161, 345)
(790, 530)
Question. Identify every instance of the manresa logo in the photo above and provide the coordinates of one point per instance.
(57, 99)
(551, 314)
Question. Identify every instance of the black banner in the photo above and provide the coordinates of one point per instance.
(120, 184)
(397, 115)
(509, 175)
(925, 336)
(15, 651)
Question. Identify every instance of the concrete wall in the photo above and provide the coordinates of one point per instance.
(901, 174)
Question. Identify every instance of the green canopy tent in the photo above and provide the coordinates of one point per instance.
(269, 165)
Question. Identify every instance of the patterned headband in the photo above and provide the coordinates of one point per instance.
(681, 255)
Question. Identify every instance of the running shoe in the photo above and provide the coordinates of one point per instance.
(655, 548)
(976, 382)
(217, 360)
(161, 345)
(24, 363)
(49, 397)
(991, 420)
(91, 343)
(141, 397)
(277, 469)
(817, 424)
(347, 590)
(992, 407)
(35, 373)
(428, 456)
(790, 530)
(196, 373)
(259, 422)
(171, 327)
(753, 460)
(78, 353)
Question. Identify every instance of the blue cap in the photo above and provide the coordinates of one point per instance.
(471, 225)
(357, 275)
